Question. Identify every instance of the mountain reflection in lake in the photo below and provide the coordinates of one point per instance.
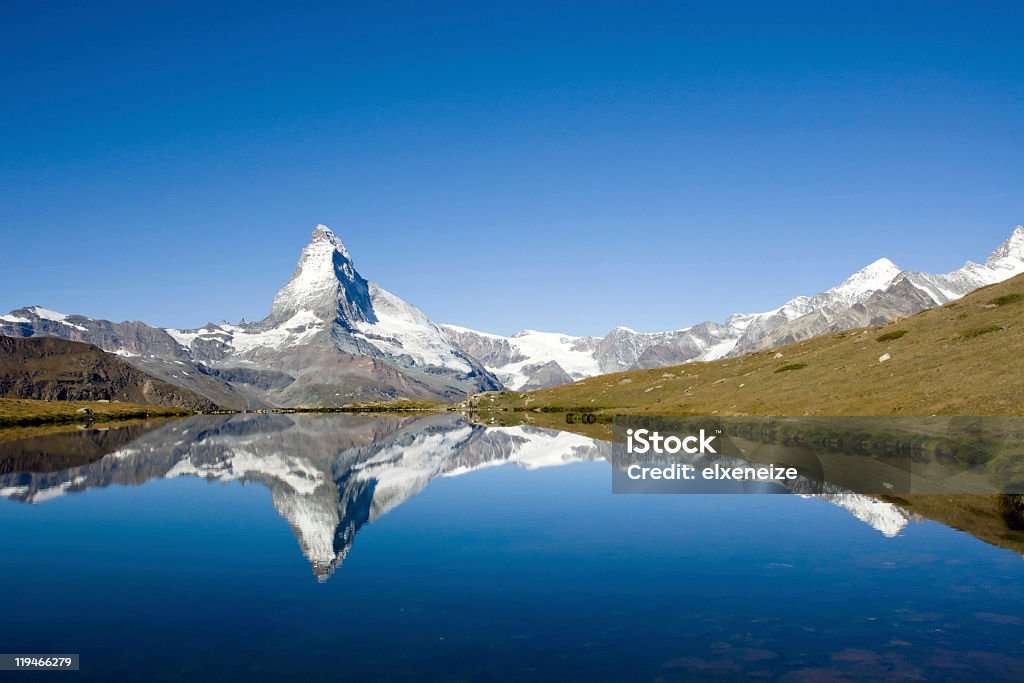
(328, 475)
(467, 570)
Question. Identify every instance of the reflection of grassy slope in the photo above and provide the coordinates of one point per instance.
(53, 448)
(939, 364)
(983, 517)
(30, 431)
(18, 411)
(994, 519)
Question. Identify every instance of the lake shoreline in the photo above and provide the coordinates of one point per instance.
(36, 413)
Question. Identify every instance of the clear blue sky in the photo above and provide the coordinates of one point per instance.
(557, 166)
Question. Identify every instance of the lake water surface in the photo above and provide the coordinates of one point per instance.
(291, 547)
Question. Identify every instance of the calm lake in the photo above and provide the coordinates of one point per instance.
(291, 547)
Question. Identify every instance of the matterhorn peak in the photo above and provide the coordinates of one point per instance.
(324, 235)
(325, 284)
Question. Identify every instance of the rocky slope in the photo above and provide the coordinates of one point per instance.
(51, 369)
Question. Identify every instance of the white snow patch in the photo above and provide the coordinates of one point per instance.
(537, 448)
(292, 332)
(886, 518)
(402, 329)
(47, 314)
(13, 491)
(545, 346)
(402, 470)
(459, 328)
(719, 350)
(297, 473)
(530, 347)
(51, 493)
(182, 337)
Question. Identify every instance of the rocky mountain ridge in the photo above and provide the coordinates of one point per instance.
(44, 368)
(878, 293)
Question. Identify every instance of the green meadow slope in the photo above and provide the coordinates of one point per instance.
(964, 358)
(23, 412)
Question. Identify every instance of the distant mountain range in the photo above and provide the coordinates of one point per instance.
(961, 358)
(333, 337)
(878, 293)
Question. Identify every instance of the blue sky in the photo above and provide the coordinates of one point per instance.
(555, 166)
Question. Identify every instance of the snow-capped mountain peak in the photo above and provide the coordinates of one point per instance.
(871, 278)
(25, 315)
(325, 283)
(321, 233)
(1010, 250)
(327, 292)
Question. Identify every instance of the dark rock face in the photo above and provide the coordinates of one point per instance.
(544, 375)
(264, 379)
(492, 351)
(58, 370)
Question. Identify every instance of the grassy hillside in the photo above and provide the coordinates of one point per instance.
(25, 412)
(964, 358)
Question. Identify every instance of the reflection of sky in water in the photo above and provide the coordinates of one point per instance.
(501, 572)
